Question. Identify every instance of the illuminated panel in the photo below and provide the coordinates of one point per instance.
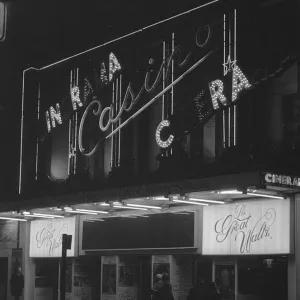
(46, 237)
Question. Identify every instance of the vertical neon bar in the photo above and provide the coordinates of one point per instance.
(21, 138)
(71, 158)
(229, 109)
(75, 142)
(76, 125)
(117, 135)
(224, 127)
(163, 81)
(22, 127)
(234, 107)
(119, 144)
(172, 90)
(224, 51)
(112, 127)
(224, 61)
(172, 79)
(37, 138)
(69, 153)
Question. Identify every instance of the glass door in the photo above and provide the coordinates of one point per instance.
(224, 275)
(3, 277)
(145, 278)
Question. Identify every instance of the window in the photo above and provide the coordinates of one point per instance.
(3, 14)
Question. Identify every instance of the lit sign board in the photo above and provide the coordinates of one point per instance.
(281, 180)
(137, 98)
(247, 228)
(158, 80)
(46, 237)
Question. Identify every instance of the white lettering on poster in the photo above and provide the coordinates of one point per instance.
(256, 227)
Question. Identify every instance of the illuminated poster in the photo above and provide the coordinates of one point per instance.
(46, 237)
(246, 228)
(182, 277)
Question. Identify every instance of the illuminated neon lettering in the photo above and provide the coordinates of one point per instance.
(75, 97)
(103, 74)
(239, 82)
(114, 65)
(207, 27)
(127, 107)
(216, 90)
(54, 116)
(87, 90)
(48, 120)
(159, 141)
(268, 178)
(80, 137)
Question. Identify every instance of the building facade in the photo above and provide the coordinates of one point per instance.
(172, 149)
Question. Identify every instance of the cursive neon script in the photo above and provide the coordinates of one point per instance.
(237, 226)
(51, 239)
(131, 98)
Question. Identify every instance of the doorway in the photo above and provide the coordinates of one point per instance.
(46, 279)
(3, 277)
(224, 277)
(145, 277)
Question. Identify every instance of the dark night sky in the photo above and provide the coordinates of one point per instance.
(41, 32)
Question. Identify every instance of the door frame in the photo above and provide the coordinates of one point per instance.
(6, 253)
(230, 262)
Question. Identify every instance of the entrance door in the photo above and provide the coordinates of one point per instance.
(145, 278)
(224, 276)
(46, 279)
(3, 277)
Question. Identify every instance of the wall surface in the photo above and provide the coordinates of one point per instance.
(294, 264)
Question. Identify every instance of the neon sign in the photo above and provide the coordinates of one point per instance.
(109, 119)
(279, 179)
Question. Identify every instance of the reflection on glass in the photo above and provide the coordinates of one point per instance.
(109, 279)
(225, 280)
(127, 276)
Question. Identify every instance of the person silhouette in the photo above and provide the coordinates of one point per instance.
(17, 283)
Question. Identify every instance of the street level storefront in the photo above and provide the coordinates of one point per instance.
(43, 260)
(246, 247)
(137, 247)
(10, 255)
(250, 242)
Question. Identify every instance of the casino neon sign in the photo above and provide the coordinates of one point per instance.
(130, 99)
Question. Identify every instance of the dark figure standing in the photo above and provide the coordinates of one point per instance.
(164, 291)
(17, 284)
(213, 292)
(198, 291)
